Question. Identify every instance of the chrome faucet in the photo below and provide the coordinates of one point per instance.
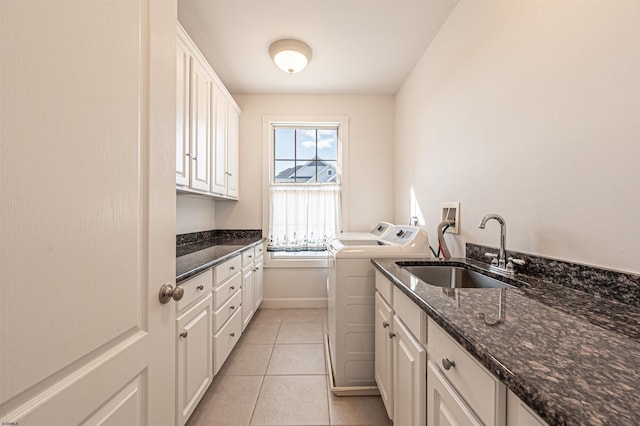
(502, 255)
(446, 254)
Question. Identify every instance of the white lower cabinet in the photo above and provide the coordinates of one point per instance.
(482, 393)
(252, 283)
(225, 340)
(444, 405)
(518, 414)
(409, 377)
(248, 290)
(258, 281)
(384, 352)
(400, 355)
(227, 300)
(194, 357)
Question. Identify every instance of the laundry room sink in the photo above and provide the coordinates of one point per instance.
(447, 276)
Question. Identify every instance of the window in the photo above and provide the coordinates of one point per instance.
(305, 155)
(304, 186)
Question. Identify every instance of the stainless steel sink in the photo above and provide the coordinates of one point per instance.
(451, 276)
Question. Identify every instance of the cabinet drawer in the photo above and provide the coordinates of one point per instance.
(412, 316)
(227, 269)
(384, 287)
(195, 287)
(224, 313)
(480, 389)
(247, 257)
(226, 291)
(258, 251)
(225, 339)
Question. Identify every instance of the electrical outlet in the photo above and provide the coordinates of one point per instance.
(451, 211)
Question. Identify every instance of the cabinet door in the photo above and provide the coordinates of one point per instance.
(232, 152)
(182, 114)
(248, 285)
(219, 172)
(258, 284)
(195, 357)
(409, 377)
(444, 405)
(384, 352)
(201, 136)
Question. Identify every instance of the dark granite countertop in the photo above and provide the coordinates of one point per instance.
(191, 259)
(572, 357)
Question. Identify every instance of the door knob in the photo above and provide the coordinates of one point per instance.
(167, 292)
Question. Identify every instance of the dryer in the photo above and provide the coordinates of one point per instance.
(350, 342)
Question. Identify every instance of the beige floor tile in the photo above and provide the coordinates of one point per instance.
(300, 332)
(304, 315)
(228, 402)
(261, 333)
(292, 400)
(247, 360)
(269, 315)
(358, 410)
(297, 359)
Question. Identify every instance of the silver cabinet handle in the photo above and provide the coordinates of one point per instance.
(184, 334)
(200, 287)
(447, 364)
(392, 335)
(385, 324)
(167, 292)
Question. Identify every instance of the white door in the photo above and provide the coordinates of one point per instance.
(87, 212)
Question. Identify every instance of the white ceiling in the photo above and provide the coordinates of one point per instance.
(359, 46)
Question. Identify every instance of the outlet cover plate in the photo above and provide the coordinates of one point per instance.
(451, 211)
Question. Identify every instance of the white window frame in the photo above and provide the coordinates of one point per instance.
(268, 124)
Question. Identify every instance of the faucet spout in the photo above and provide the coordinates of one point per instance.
(502, 255)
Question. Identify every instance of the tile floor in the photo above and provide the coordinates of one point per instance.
(276, 375)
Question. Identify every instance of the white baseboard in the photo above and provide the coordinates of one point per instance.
(294, 302)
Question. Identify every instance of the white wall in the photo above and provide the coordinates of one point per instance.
(370, 167)
(194, 214)
(529, 109)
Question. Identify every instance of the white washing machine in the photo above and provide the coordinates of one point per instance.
(379, 231)
(350, 343)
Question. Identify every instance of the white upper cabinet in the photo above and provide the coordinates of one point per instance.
(233, 143)
(201, 131)
(183, 150)
(207, 127)
(219, 182)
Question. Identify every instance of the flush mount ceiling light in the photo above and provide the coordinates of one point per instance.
(291, 56)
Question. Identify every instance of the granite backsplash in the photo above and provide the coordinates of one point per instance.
(604, 283)
(220, 236)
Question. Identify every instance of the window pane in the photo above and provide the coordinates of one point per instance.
(284, 143)
(328, 172)
(305, 144)
(328, 144)
(306, 172)
(284, 171)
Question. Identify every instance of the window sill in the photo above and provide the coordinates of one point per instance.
(317, 259)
